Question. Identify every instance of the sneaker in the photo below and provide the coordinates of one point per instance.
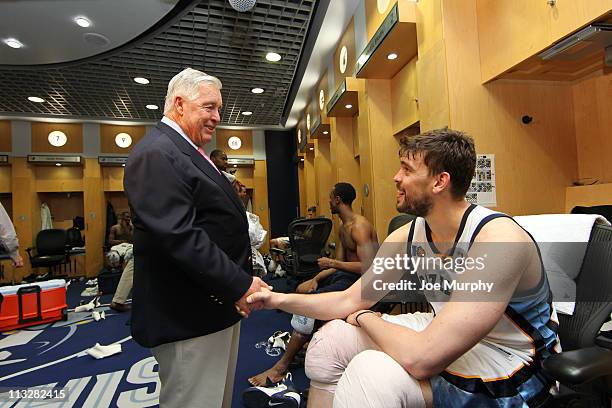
(282, 395)
(279, 339)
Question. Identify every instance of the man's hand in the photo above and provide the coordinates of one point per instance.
(352, 318)
(245, 308)
(325, 262)
(307, 286)
(17, 261)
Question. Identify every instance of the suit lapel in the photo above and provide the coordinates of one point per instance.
(201, 163)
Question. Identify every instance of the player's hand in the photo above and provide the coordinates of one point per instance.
(267, 298)
(308, 286)
(17, 261)
(352, 318)
(245, 308)
(325, 262)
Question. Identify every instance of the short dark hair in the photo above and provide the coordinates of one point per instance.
(445, 150)
(346, 192)
(217, 153)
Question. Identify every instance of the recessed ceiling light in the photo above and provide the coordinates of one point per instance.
(58, 164)
(257, 90)
(152, 107)
(349, 106)
(123, 165)
(325, 132)
(312, 148)
(392, 56)
(247, 113)
(273, 57)
(82, 22)
(35, 99)
(141, 80)
(13, 43)
(302, 159)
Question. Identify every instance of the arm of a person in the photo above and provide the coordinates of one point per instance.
(433, 349)
(322, 306)
(166, 209)
(336, 305)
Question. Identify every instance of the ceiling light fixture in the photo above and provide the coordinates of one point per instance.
(349, 106)
(325, 132)
(141, 80)
(247, 113)
(257, 90)
(35, 99)
(13, 43)
(242, 5)
(273, 57)
(82, 21)
(152, 107)
(58, 164)
(392, 56)
(312, 148)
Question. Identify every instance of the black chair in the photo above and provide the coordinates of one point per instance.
(584, 368)
(307, 241)
(50, 250)
(398, 221)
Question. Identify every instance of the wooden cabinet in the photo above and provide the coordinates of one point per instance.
(568, 16)
(511, 31)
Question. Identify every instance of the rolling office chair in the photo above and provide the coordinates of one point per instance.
(51, 250)
(307, 241)
(584, 368)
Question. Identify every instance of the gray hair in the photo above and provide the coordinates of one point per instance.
(185, 84)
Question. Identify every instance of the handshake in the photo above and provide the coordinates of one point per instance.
(258, 296)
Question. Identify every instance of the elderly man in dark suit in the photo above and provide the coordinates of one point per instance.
(191, 249)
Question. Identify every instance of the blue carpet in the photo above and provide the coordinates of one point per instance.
(54, 354)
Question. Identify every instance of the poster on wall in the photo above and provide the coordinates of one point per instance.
(482, 189)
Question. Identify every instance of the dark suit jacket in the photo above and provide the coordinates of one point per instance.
(192, 255)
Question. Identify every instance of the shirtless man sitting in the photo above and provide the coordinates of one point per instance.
(358, 242)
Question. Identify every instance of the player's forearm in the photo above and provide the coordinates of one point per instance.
(322, 306)
(392, 340)
(324, 274)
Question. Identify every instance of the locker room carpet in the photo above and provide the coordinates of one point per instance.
(55, 354)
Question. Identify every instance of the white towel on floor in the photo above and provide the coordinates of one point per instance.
(562, 239)
(98, 351)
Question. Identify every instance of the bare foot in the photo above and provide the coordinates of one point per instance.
(275, 374)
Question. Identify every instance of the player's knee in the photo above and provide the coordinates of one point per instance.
(322, 362)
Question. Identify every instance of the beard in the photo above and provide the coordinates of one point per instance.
(419, 206)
